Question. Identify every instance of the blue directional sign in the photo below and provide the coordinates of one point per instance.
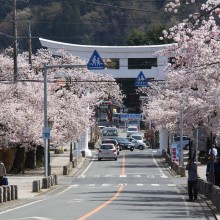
(95, 62)
(46, 133)
(141, 80)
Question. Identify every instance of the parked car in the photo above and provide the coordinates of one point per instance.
(107, 151)
(131, 130)
(186, 140)
(109, 132)
(125, 144)
(112, 141)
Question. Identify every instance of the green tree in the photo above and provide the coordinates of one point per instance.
(136, 38)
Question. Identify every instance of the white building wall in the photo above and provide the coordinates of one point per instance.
(120, 52)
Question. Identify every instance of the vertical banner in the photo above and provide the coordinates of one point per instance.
(175, 152)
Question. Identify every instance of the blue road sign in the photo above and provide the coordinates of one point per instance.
(46, 133)
(141, 80)
(95, 62)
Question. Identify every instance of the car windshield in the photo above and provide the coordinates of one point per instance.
(132, 129)
(139, 138)
(106, 147)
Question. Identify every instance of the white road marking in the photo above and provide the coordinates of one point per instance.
(137, 176)
(106, 184)
(75, 200)
(35, 217)
(140, 184)
(91, 185)
(123, 176)
(171, 184)
(109, 175)
(64, 190)
(81, 176)
(154, 184)
(12, 209)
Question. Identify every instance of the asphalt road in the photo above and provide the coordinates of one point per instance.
(136, 186)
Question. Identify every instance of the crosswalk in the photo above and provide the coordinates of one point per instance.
(124, 184)
(125, 176)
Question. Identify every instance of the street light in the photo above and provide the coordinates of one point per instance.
(46, 129)
(50, 125)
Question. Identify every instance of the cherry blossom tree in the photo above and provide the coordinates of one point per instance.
(22, 106)
(192, 82)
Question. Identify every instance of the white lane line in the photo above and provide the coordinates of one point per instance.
(20, 207)
(87, 167)
(108, 175)
(137, 176)
(106, 184)
(139, 184)
(91, 185)
(162, 173)
(123, 176)
(75, 185)
(171, 185)
(154, 184)
(64, 190)
(164, 176)
(81, 176)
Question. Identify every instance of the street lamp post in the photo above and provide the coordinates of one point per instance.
(50, 125)
(46, 129)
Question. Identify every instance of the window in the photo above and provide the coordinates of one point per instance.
(142, 63)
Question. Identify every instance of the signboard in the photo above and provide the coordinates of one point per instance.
(95, 62)
(46, 133)
(175, 152)
(141, 80)
(130, 117)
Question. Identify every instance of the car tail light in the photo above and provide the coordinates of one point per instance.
(100, 151)
(114, 150)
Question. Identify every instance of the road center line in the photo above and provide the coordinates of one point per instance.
(103, 205)
(111, 199)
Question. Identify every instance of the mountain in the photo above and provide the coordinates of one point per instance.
(97, 22)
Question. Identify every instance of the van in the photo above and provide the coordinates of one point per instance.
(109, 132)
(186, 141)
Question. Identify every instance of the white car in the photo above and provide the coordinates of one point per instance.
(186, 140)
(109, 132)
(131, 130)
(107, 151)
(138, 140)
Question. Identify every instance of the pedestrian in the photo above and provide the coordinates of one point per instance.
(217, 171)
(2, 172)
(210, 177)
(213, 151)
(192, 179)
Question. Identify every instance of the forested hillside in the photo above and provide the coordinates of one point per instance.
(97, 22)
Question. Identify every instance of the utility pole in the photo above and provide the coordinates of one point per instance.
(30, 48)
(15, 33)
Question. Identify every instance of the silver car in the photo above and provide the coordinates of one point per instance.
(107, 151)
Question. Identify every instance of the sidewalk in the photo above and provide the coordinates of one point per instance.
(25, 181)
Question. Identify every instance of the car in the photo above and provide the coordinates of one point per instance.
(131, 130)
(109, 132)
(137, 145)
(133, 123)
(125, 144)
(102, 117)
(107, 151)
(186, 140)
(116, 117)
(112, 141)
(100, 128)
(138, 140)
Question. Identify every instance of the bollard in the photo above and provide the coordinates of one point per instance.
(36, 186)
(12, 192)
(4, 194)
(55, 180)
(45, 183)
(1, 195)
(8, 193)
(16, 191)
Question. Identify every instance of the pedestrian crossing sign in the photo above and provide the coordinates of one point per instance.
(141, 80)
(95, 62)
